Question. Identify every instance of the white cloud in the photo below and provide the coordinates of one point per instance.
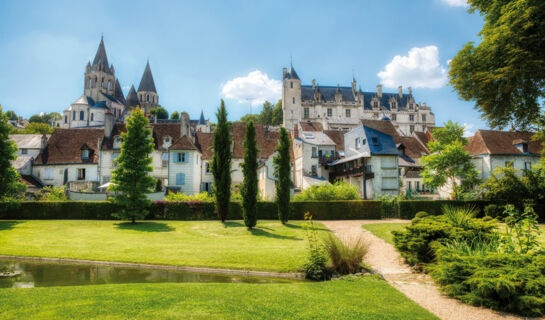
(256, 88)
(456, 3)
(419, 69)
(469, 130)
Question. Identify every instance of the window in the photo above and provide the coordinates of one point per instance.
(81, 174)
(73, 115)
(329, 112)
(509, 164)
(102, 83)
(347, 111)
(181, 157)
(374, 140)
(293, 100)
(417, 185)
(65, 119)
(207, 167)
(109, 85)
(85, 154)
(115, 155)
(48, 174)
(314, 152)
(314, 170)
(423, 117)
(92, 117)
(82, 115)
(394, 117)
(424, 128)
(180, 179)
(306, 113)
(24, 151)
(410, 186)
(363, 142)
(89, 84)
(375, 104)
(164, 159)
(411, 128)
(147, 97)
(411, 117)
(527, 165)
(291, 84)
(207, 186)
(358, 143)
(411, 106)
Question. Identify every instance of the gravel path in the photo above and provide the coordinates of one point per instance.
(385, 260)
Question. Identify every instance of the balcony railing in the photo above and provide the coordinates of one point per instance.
(325, 160)
(354, 171)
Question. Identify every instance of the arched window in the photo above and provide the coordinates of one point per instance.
(109, 85)
(92, 117)
(102, 83)
(147, 98)
(89, 83)
(82, 115)
(96, 81)
(65, 119)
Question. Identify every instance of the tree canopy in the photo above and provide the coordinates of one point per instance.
(10, 185)
(270, 114)
(160, 112)
(221, 163)
(282, 169)
(249, 189)
(505, 73)
(175, 115)
(34, 128)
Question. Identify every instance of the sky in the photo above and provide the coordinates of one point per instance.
(203, 51)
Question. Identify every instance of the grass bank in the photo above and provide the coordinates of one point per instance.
(270, 247)
(363, 298)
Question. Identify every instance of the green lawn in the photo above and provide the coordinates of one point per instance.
(364, 298)
(271, 246)
(384, 230)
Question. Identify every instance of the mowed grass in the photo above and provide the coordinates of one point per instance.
(270, 247)
(384, 230)
(363, 298)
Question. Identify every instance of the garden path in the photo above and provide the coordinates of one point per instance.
(386, 261)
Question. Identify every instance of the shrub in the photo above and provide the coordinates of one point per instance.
(389, 206)
(338, 191)
(459, 216)
(522, 232)
(494, 211)
(315, 268)
(408, 208)
(346, 255)
(50, 193)
(416, 242)
(181, 197)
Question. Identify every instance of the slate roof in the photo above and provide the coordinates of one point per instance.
(311, 126)
(20, 162)
(316, 138)
(85, 100)
(327, 93)
(383, 126)
(291, 74)
(201, 119)
(30, 181)
(101, 58)
(501, 143)
(27, 141)
(183, 143)
(385, 143)
(147, 83)
(132, 98)
(118, 93)
(64, 146)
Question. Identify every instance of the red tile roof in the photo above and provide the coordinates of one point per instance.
(184, 143)
(501, 142)
(338, 137)
(311, 126)
(65, 145)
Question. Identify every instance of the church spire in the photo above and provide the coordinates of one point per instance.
(101, 60)
(201, 120)
(147, 83)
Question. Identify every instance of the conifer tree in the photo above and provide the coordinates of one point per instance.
(131, 180)
(249, 170)
(221, 163)
(10, 185)
(282, 169)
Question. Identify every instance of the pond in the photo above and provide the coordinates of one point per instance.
(46, 274)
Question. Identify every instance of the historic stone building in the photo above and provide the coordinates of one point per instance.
(102, 94)
(341, 108)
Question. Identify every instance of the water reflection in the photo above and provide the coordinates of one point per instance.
(46, 274)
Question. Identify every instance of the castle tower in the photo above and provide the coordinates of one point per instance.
(132, 98)
(147, 94)
(291, 98)
(99, 76)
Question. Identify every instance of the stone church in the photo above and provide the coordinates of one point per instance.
(342, 108)
(102, 94)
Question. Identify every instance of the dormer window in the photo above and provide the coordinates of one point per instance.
(394, 105)
(85, 154)
(358, 143)
(411, 106)
(375, 104)
(374, 141)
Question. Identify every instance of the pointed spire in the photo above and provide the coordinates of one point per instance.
(291, 73)
(118, 93)
(201, 120)
(132, 98)
(100, 58)
(338, 89)
(147, 83)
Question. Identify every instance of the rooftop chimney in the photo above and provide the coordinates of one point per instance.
(400, 91)
(410, 90)
(43, 142)
(379, 90)
(295, 132)
(313, 83)
(284, 72)
(108, 124)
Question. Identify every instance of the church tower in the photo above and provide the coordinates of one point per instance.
(147, 94)
(291, 98)
(99, 76)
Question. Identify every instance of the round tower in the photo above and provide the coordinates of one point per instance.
(291, 98)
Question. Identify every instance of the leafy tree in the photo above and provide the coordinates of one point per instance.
(130, 179)
(50, 193)
(249, 170)
(278, 114)
(159, 112)
(10, 185)
(250, 118)
(266, 113)
(504, 74)
(36, 118)
(175, 115)
(281, 163)
(448, 160)
(507, 184)
(12, 115)
(35, 128)
(221, 163)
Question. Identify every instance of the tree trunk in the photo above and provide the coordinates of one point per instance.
(133, 221)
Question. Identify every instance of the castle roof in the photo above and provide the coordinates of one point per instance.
(132, 98)
(100, 58)
(118, 93)
(201, 120)
(147, 83)
(292, 74)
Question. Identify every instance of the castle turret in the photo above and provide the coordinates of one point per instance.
(291, 97)
(147, 94)
(99, 76)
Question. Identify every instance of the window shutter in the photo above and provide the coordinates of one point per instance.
(180, 179)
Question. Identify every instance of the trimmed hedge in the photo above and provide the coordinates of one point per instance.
(89, 210)
(337, 210)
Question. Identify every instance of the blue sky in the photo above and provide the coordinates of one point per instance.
(201, 51)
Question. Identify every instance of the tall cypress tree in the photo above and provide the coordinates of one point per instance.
(282, 169)
(9, 177)
(221, 163)
(131, 180)
(249, 170)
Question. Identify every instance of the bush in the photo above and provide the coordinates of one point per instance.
(416, 242)
(346, 255)
(494, 211)
(315, 268)
(49, 193)
(182, 197)
(338, 191)
(409, 208)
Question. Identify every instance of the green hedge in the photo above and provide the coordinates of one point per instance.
(101, 210)
(408, 208)
(337, 210)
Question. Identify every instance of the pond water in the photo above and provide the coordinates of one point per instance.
(46, 274)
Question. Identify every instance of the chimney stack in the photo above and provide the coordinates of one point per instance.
(400, 91)
(108, 124)
(410, 91)
(295, 132)
(184, 124)
(284, 72)
(379, 90)
(313, 83)
(43, 142)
